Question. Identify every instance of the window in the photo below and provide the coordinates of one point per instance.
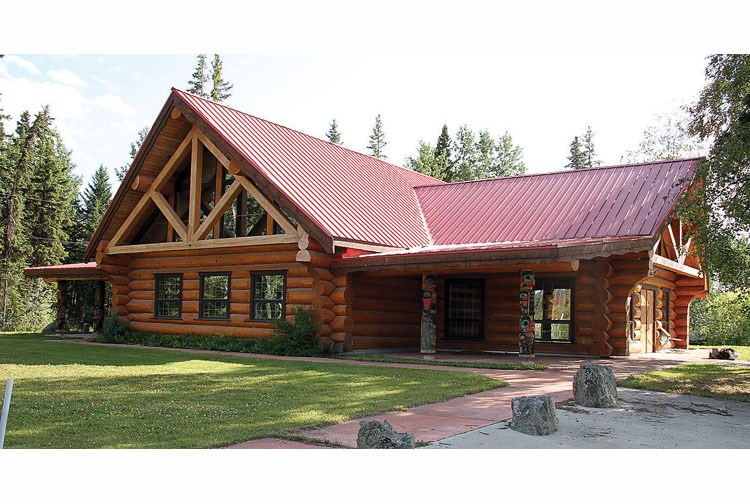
(465, 309)
(268, 295)
(214, 296)
(553, 310)
(168, 296)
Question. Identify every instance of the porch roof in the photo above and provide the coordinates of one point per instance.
(74, 271)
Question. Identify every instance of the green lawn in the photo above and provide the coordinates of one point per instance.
(80, 396)
(743, 351)
(707, 380)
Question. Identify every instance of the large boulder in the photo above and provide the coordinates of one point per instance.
(594, 386)
(534, 415)
(381, 435)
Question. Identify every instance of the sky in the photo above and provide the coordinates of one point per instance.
(542, 98)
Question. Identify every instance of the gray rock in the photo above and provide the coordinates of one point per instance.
(594, 386)
(381, 435)
(534, 415)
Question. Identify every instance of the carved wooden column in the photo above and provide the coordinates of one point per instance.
(429, 313)
(99, 306)
(526, 336)
(61, 323)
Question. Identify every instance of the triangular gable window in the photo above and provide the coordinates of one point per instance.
(195, 199)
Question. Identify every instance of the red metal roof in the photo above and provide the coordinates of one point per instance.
(349, 195)
(617, 201)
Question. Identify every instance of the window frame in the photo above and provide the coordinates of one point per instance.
(157, 278)
(202, 299)
(449, 282)
(562, 282)
(253, 276)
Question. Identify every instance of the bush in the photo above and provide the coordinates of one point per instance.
(297, 338)
(721, 320)
(112, 330)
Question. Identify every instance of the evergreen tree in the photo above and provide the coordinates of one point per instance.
(589, 153)
(509, 159)
(221, 88)
(197, 85)
(465, 160)
(333, 134)
(577, 158)
(36, 206)
(443, 145)
(96, 198)
(134, 147)
(426, 162)
(377, 140)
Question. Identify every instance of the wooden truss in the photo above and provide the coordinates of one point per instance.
(673, 252)
(194, 234)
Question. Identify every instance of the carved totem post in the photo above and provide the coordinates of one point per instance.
(526, 337)
(429, 312)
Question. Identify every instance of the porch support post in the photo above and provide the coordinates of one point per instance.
(526, 337)
(99, 306)
(61, 323)
(429, 312)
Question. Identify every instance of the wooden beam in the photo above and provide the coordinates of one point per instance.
(267, 205)
(169, 168)
(170, 229)
(245, 241)
(233, 168)
(175, 113)
(142, 183)
(269, 224)
(218, 188)
(676, 267)
(221, 207)
(196, 186)
(139, 209)
(172, 218)
(212, 148)
(674, 241)
(364, 246)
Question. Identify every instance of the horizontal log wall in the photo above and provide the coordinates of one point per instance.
(133, 287)
(385, 312)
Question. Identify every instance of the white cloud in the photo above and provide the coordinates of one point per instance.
(113, 103)
(22, 63)
(66, 77)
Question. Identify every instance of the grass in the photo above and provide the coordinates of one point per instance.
(80, 396)
(707, 380)
(743, 351)
(462, 364)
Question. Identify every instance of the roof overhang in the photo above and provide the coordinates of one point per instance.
(77, 271)
(497, 254)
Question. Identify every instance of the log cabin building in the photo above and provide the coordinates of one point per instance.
(226, 222)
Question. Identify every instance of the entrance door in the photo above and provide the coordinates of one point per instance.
(647, 320)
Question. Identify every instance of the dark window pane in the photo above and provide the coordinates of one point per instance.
(168, 296)
(215, 287)
(268, 296)
(464, 309)
(214, 302)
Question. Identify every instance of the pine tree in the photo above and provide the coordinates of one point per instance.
(577, 159)
(200, 78)
(509, 159)
(96, 199)
(333, 134)
(443, 145)
(589, 153)
(377, 140)
(221, 88)
(134, 147)
(426, 162)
